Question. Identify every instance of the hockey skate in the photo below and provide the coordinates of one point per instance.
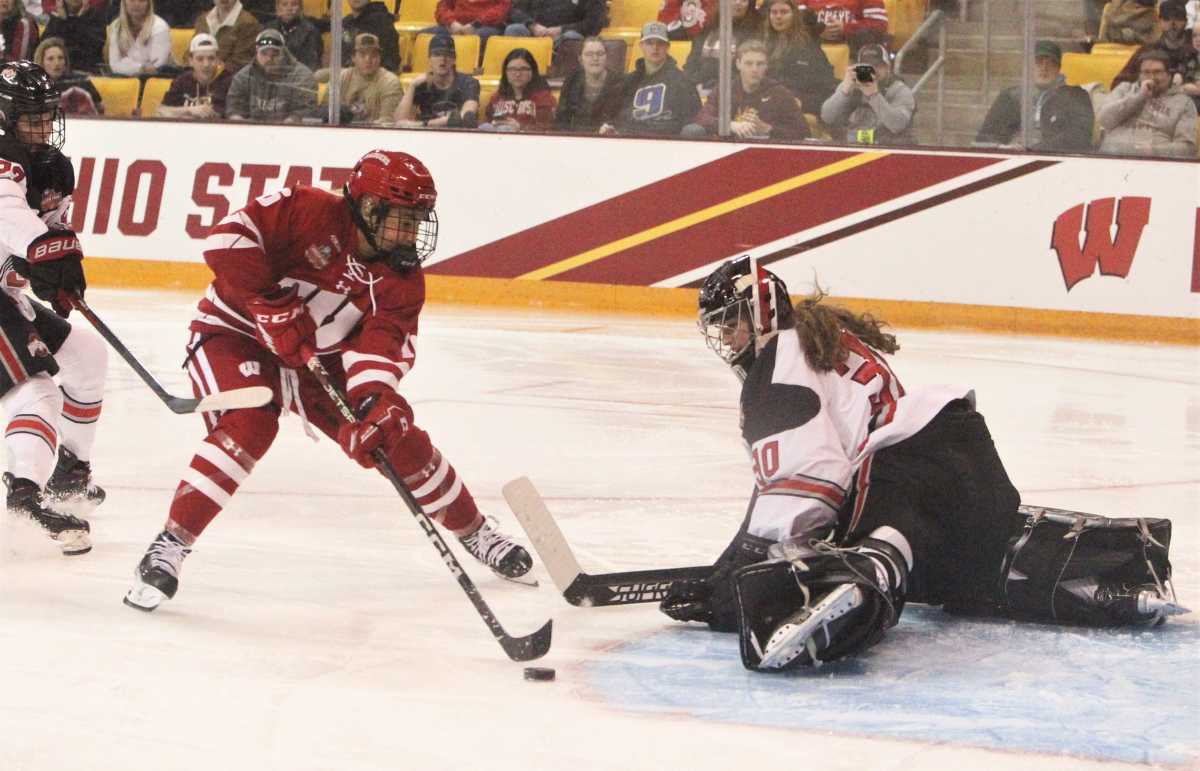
(71, 489)
(1143, 605)
(810, 630)
(502, 554)
(25, 500)
(157, 575)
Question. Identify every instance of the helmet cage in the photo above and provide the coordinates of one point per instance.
(729, 330)
(414, 233)
(742, 295)
(27, 92)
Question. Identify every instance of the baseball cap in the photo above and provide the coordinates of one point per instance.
(1049, 49)
(872, 53)
(1172, 10)
(442, 43)
(269, 38)
(655, 30)
(366, 40)
(202, 41)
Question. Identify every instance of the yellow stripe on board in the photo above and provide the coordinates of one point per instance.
(695, 218)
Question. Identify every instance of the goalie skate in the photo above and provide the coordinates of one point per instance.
(25, 500)
(502, 554)
(807, 631)
(156, 577)
(71, 489)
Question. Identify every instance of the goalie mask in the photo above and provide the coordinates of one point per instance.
(392, 198)
(742, 305)
(29, 106)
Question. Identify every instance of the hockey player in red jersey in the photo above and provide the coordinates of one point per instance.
(869, 496)
(850, 21)
(306, 271)
(51, 427)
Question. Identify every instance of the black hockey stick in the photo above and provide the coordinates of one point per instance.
(579, 588)
(238, 398)
(527, 648)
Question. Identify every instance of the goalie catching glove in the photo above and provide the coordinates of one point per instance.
(386, 418)
(283, 325)
(53, 264)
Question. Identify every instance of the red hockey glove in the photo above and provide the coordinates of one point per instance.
(388, 417)
(53, 265)
(283, 325)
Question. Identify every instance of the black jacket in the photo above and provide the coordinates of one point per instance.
(805, 70)
(378, 20)
(574, 114)
(587, 17)
(84, 35)
(668, 101)
(304, 41)
(1066, 120)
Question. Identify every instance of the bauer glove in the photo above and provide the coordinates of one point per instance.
(53, 265)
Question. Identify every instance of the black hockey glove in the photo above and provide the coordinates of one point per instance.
(688, 601)
(54, 266)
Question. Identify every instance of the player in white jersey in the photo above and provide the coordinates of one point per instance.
(868, 495)
(51, 427)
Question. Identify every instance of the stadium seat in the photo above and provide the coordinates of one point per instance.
(323, 93)
(120, 95)
(499, 46)
(180, 39)
(1092, 68)
(904, 17)
(839, 56)
(416, 15)
(1114, 48)
(679, 52)
(466, 52)
(626, 18)
(316, 9)
(153, 92)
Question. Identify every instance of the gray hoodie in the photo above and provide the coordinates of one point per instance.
(291, 96)
(1137, 125)
(884, 119)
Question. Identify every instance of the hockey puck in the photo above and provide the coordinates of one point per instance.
(539, 673)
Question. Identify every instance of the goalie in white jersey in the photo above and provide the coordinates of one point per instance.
(868, 496)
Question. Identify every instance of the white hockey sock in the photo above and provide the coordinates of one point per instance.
(83, 367)
(31, 434)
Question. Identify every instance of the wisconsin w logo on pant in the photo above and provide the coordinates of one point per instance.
(1114, 254)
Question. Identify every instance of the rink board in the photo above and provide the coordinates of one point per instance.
(1090, 245)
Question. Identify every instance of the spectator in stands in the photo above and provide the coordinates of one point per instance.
(79, 95)
(371, 16)
(686, 19)
(761, 108)
(523, 102)
(794, 54)
(854, 22)
(656, 98)
(472, 17)
(873, 106)
(590, 92)
(235, 30)
(274, 87)
(19, 31)
(1150, 117)
(139, 41)
(200, 92)
(1175, 42)
(704, 60)
(180, 14)
(1193, 14)
(1062, 114)
(80, 25)
(1191, 72)
(301, 36)
(557, 19)
(1130, 22)
(369, 93)
(442, 96)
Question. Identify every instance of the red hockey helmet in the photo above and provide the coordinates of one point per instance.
(383, 183)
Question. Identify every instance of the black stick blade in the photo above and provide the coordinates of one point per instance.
(529, 647)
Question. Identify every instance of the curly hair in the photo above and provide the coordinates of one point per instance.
(820, 329)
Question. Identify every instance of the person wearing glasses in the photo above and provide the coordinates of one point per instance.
(523, 102)
(1150, 117)
(590, 92)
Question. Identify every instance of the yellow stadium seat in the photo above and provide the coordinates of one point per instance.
(626, 17)
(1114, 48)
(839, 56)
(416, 15)
(679, 52)
(120, 95)
(485, 96)
(466, 53)
(322, 93)
(180, 39)
(499, 46)
(317, 9)
(1092, 68)
(904, 16)
(152, 95)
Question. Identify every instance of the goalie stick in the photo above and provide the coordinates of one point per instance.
(238, 398)
(527, 648)
(579, 588)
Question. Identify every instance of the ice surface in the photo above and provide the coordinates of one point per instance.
(316, 629)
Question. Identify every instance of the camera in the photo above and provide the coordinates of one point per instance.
(864, 73)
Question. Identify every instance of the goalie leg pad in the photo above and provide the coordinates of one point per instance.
(1072, 568)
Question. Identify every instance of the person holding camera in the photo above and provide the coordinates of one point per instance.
(873, 106)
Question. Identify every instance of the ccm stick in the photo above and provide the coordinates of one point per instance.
(238, 398)
(579, 588)
(527, 648)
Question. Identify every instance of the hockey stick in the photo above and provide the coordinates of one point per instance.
(527, 648)
(238, 398)
(579, 588)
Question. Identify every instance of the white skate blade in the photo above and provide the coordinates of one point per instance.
(790, 640)
(144, 597)
(525, 580)
(74, 542)
(1163, 607)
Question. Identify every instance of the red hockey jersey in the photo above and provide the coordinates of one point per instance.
(855, 15)
(367, 312)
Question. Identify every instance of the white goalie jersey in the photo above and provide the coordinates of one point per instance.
(810, 433)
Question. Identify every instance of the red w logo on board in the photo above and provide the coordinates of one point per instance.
(1113, 253)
